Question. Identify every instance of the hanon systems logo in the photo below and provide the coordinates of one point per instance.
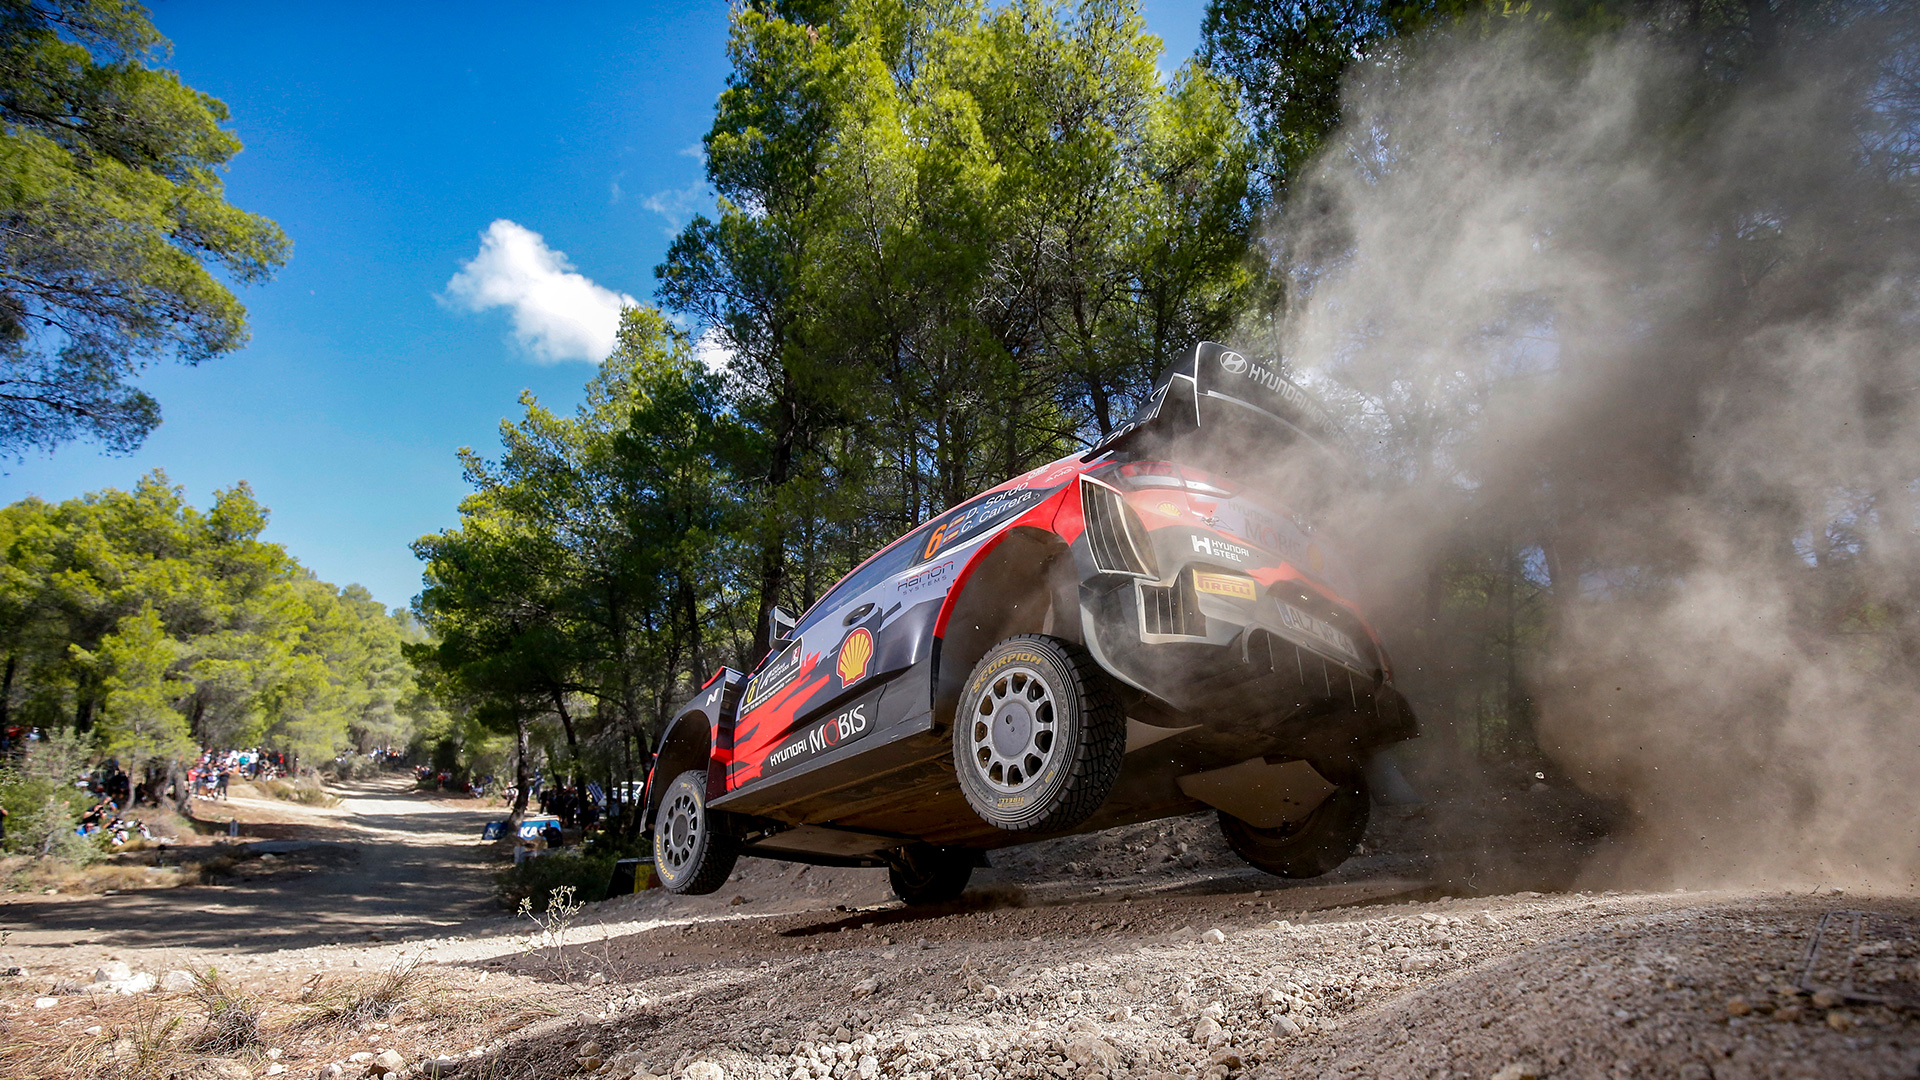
(855, 651)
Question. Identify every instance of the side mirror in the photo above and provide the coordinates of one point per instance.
(780, 627)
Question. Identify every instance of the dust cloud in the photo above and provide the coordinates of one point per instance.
(1641, 310)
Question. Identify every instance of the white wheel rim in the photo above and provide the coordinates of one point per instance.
(1014, 731)
(679, 830)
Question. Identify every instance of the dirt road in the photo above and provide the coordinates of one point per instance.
(387, 860)
(1148, 954)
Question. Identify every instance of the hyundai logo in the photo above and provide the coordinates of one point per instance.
(1234, 363)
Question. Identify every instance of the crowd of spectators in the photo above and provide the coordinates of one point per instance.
(210, 776)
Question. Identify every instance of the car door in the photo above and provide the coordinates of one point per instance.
(832, 668)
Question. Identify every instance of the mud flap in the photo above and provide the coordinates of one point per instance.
(1262, 795)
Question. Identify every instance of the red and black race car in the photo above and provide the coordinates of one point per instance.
(1123, 635)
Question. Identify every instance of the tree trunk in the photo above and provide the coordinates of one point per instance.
(573, 744)
(521, 781)
(182, 794)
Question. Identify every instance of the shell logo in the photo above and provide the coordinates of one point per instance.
(855, 651)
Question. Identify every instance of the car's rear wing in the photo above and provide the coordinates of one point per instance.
(1229, 399)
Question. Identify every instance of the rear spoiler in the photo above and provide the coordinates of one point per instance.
(1215, 389)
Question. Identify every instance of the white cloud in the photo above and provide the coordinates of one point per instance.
(558, 313)
(677, 205)
(711, 352)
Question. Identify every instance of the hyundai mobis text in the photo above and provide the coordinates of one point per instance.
(1119, 636)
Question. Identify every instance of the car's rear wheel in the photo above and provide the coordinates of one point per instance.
(1038, 736)
(690, 855)
(930, 875)
(1308, 848)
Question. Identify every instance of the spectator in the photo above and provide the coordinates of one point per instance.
(220, 785)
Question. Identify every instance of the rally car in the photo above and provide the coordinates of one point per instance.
(1122, 635)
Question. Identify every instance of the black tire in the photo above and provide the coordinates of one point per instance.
(930, 875)
(1313, 847)
(690, 856)
(1038, 736)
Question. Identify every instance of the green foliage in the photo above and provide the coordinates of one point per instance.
(152, 628)
(43, 806)
(953, 241)
(584, 574)
(535, 882)
(117, 222)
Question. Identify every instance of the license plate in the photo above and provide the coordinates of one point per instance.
(1320, 630)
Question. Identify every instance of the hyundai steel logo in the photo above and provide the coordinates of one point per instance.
(1233, 363)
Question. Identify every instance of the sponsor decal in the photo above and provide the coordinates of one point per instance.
(1230, 585)
(778, 674)
(977, 516)
(1224, 550)
(1316, 562)
(938, 577)
(831, 733)
(994, 668)
(1275, 383)
(1168, 509)
(855, 651)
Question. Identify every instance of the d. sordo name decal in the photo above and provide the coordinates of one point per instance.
(819, 738)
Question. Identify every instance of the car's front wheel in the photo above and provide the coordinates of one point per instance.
(1308, 848)
(1038, 736)
(689, 854)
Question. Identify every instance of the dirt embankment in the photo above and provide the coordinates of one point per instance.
(1135, 954)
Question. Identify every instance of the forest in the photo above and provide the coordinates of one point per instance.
(953, 240)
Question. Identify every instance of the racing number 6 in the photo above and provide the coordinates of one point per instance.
(933, 540)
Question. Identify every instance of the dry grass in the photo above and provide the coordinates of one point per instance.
(233, 1014)
(367, 1000)
(22, 873)
(306, 791)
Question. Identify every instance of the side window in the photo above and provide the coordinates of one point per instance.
(879, 568)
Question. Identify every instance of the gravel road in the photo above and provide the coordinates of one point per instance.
(1143, 953)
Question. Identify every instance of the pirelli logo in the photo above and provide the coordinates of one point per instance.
(1233, 585)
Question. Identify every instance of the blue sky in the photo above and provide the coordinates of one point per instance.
(386, 139)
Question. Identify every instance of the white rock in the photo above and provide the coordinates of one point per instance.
(1092, 1052)
(704, 1070)
(276, 1069)
(1519, 1070)
(1214, 936)
(1206, 1030)
(1121, 1014)
(1285, 1028)
(45, 1003)
(869, 1067)
(140, 983)
(598, 978)
(360, 1057)
(112, 971)
(1215, 1011)
(386, 1062)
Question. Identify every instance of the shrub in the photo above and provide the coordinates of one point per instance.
(535, 879)
(307, 790)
